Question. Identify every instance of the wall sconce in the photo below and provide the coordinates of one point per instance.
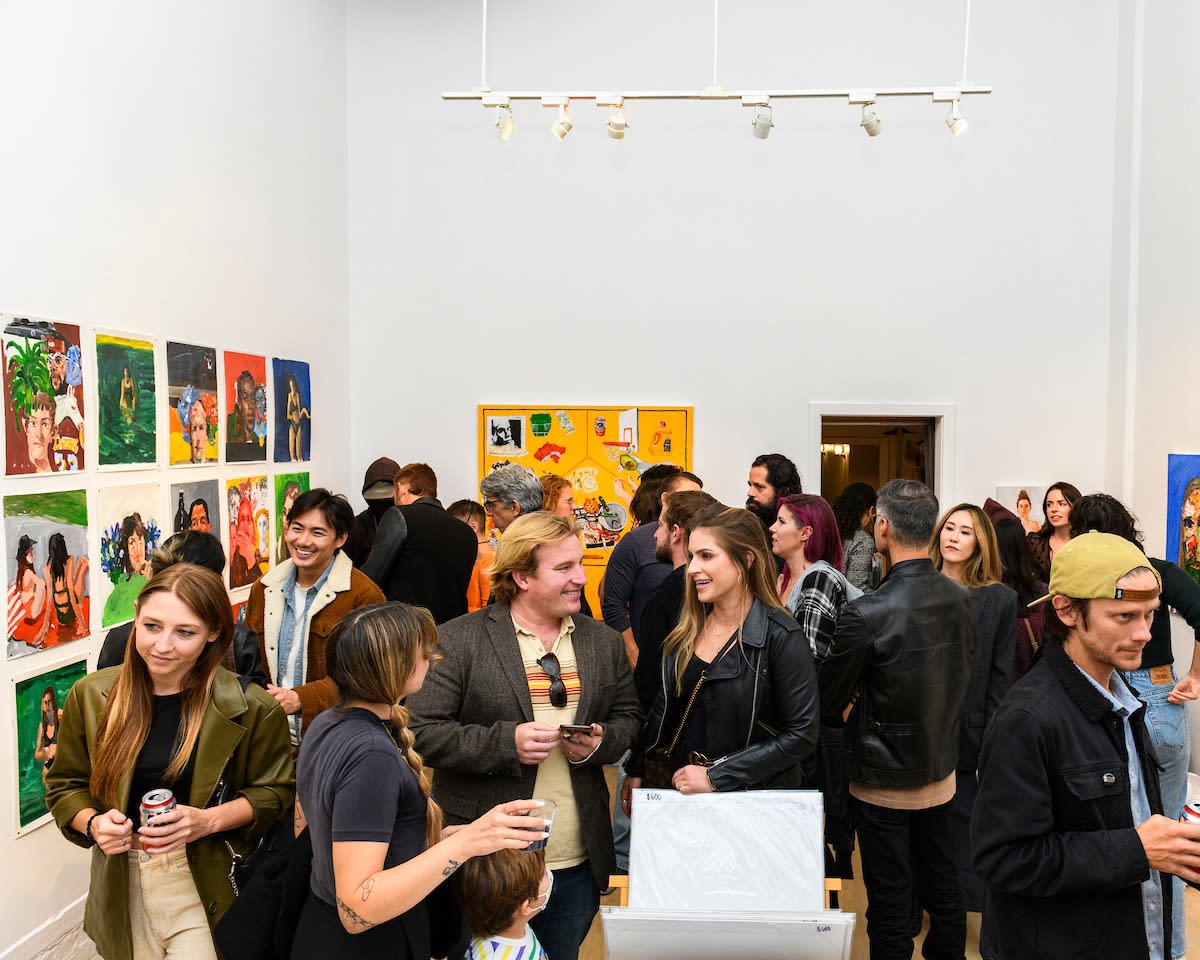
(835, 449)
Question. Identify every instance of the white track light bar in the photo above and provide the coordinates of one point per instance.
(939, 94)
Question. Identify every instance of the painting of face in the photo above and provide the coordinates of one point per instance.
(246, 403)
(249, 509)
(130, 531)
(191, 403)
(1183, 512)
(43, 396)
(198, 519)
(288, 486)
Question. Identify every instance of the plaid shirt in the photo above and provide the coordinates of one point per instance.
(815, 601)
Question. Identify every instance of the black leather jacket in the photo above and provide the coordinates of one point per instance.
(246, 661)
(760, 705)
(906, 647)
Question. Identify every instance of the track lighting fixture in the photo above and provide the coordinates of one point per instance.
(761, 125)
(955, 120)
(617, 121)
(504, 122)
(870, 120)
(562, 126)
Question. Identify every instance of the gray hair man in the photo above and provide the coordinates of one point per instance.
(510, 491)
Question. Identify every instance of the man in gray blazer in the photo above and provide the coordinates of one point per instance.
(530, 702)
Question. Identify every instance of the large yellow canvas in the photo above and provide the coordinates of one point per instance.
(601, 449)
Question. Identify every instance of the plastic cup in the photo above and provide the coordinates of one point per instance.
(546, 811)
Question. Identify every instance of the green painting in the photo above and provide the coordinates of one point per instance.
(288, 486)
(126, 392)
(39, 703)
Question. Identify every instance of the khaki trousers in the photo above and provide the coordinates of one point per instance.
(166, 916)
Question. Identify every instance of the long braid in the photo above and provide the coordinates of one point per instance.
(433, 813)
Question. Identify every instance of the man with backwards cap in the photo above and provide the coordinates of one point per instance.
(1068, 833)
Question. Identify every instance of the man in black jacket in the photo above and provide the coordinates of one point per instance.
(421, 554)
(1067, 832)
(905, 650)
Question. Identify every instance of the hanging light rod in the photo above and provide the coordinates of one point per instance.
(491, 98)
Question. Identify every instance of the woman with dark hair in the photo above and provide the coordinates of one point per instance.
(854, 510)
(737, 707)
(1016, 564)
(964, 549)
(1056, 530)
(169, 718)
(205, 550)
(27, 595)
(1024, 506)
(65, 580)
(135, 569)
(378, 845)
(1155, 682)
(295, 412)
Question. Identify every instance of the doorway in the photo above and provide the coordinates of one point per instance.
(875, 450)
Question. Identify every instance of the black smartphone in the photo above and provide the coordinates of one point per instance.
(575, 728)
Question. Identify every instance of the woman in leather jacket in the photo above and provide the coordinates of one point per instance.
(964, 549)
(742, 661)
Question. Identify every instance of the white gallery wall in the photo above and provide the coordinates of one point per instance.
(173, 171)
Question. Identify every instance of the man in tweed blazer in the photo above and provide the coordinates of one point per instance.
(489, 718)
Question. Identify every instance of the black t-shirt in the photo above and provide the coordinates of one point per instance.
(659, 616)
(355, 785)
(156, 754)
(695, 730)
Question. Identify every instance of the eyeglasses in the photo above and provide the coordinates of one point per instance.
(489, 506)
(558, 689)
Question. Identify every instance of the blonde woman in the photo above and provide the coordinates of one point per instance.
(169, 717)
(964, 548)
(378, 845)
(742, 661)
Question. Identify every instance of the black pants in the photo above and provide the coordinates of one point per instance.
(907, 852)
(321, 936)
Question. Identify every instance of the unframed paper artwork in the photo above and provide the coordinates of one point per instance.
(1026, 502)
(293, 411)
(245, 407)
(191, 403)
(130, 531)
(1183, 512)
(43, 397)
(48, 590)
(126, 392)
(288, 486)
(249, 530)
(196, 505)
(39, 702)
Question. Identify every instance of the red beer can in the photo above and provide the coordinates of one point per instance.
(154, 803)
(1191, 812)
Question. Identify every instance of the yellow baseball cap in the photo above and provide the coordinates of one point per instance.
(1088, 567)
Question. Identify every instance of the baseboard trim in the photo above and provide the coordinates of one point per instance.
(59, 938)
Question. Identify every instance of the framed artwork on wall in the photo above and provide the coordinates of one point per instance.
(126, 395)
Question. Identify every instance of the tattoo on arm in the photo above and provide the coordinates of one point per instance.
(451, 867)
(351, 918)
(367, 886)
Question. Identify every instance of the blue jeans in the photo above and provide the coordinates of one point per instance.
(564, 924)
(621, 820)
(1168, 728)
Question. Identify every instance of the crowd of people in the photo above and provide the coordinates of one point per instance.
(989, 708)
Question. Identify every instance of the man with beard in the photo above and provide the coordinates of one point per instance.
(772, 475)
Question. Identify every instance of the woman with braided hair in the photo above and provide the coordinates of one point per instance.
(379, 849)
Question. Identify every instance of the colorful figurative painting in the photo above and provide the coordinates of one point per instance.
(196, 506)
(130, 531)
(288, 486)
(39, 703)
(125, 392)
(192, 403)
(245, 407)
(43, 397)
(293, 411)
(249, 530)
(1025, 500)
(1183, 512)
(48, 595)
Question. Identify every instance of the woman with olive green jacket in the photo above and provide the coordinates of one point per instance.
(243, 734)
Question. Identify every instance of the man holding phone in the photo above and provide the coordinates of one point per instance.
(529, 701)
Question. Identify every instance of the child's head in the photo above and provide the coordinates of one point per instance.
(502, 889)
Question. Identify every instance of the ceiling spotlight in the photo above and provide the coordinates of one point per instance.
(870, 120)
(617, 122)
(955, 120)
(761, 125)
(562, 126)
(504, 122)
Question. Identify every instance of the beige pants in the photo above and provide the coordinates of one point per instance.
(165, 913)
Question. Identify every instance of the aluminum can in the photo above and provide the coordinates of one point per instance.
(154, 803)
(1191, 812)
